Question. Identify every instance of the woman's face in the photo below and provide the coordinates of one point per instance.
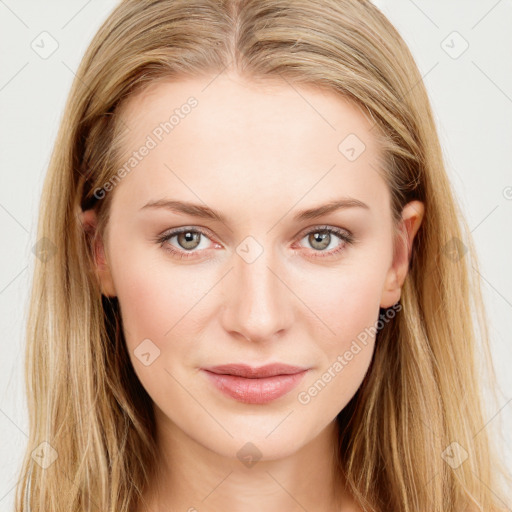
(246, 172)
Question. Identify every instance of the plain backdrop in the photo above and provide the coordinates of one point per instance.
(463, 49)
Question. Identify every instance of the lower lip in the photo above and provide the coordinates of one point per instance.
(255, 391)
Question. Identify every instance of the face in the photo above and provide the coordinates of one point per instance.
(259, 271)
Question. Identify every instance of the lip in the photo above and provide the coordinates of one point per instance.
(253, 385)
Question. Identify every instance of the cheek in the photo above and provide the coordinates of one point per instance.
(346, 358)
(346, 299)
(353, 310)
(156, 296)
(348, 302)
(161, 309)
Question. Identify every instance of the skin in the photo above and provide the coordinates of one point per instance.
(258, 154)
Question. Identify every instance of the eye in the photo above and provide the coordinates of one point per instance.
(188, 241)
(326, 240)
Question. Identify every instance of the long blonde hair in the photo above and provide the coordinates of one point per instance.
(420, 406)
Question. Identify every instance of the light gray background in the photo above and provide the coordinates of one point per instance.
(471, 96)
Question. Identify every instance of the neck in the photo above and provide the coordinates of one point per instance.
(190, 477)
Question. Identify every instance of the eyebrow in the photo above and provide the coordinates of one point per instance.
(205, 212)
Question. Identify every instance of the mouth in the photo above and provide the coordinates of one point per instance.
(253, 385)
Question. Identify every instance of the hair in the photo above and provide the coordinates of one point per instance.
(423, 390)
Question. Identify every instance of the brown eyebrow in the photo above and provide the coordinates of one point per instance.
(318, 211)
(205, 212)
(195, 210)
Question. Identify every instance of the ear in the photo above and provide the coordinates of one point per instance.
(412, 216)
(102, 268)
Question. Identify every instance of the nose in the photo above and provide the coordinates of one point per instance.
(259, 305)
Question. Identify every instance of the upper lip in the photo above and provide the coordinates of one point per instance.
(251, 372)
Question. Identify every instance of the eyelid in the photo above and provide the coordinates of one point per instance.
(325, 227)
(181, 229)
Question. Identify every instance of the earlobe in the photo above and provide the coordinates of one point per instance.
(412, 217)
(102, 269)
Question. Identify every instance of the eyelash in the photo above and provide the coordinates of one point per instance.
(344, 235)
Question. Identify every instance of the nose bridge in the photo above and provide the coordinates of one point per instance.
(259, 304)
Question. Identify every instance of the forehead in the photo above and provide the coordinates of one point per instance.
(251, 138)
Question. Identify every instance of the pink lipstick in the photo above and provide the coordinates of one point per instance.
(253, 385)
